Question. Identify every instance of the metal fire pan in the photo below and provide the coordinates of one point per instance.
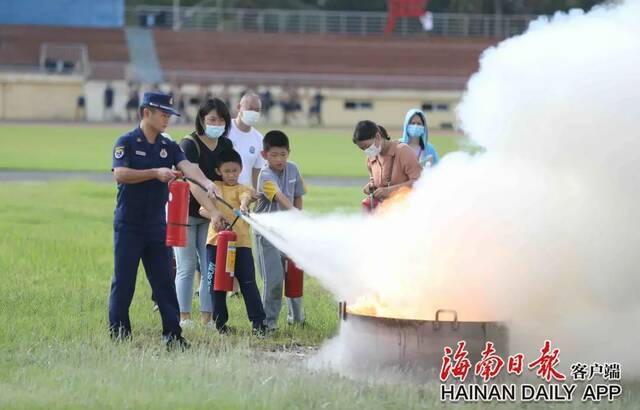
(419, 343)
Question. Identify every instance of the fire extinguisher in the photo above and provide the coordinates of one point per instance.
(293, 280)
(225, 260)
(369, 204)
(177, 213)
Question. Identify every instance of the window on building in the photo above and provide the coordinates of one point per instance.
(430, 106)
(358, 105)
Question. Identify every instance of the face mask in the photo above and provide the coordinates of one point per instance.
(250, 117)
(373, 151)
(415, 130)
(214, 131)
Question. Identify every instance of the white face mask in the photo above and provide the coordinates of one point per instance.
(214, 131)
(373, 150)
(250, 117)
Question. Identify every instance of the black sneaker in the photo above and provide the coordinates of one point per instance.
(260, 330)
(177, 343)
(225, 330)
(120, 335)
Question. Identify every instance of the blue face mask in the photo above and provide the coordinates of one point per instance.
(415, 130)
(214, 131)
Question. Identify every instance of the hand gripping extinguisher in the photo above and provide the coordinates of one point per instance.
(293, 280)
(369, 204)
(177, 212)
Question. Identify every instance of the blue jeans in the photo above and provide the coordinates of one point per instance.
(186, 263)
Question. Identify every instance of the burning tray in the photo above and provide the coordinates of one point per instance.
(419, 344)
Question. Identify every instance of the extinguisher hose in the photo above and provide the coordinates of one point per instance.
(218, 198)
(238, 213)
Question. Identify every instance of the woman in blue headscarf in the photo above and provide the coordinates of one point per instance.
(416, 135)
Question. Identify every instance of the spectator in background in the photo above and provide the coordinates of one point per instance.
(225, 95)
(295, 103)
(283, 99)
(81, 111)
(178, 96)
(108, 102)
(267, 103)
(315, 108)
(416, 134)
(132, 105)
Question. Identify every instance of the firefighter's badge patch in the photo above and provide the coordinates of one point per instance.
(118, 152)
(163, 153)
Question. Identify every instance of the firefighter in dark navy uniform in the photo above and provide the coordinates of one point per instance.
(142, 161)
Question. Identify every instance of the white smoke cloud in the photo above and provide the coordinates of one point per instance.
(541, 229)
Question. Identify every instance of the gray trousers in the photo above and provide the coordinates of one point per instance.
(271, 264)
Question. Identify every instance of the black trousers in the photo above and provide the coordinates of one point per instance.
(245, 272)
(131, 244)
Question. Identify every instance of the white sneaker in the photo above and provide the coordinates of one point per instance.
(186, 324)
(211, 325)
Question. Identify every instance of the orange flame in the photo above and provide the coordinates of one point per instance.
(397, 198)
(374, 305)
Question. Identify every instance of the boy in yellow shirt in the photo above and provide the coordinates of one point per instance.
(229, 166)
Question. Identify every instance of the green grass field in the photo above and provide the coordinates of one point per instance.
(56, 263)
(317, 152)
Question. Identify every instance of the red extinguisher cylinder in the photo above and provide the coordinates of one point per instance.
(225, 261)
(293, 280)
(369, 204)
(177, 213)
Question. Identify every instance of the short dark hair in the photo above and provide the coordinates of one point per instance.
(365, 130)
(206, 107)
(141, 110)
(383, 132)
(228, 155)
(275, 138)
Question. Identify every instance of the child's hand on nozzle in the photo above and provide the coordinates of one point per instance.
(244, 209)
